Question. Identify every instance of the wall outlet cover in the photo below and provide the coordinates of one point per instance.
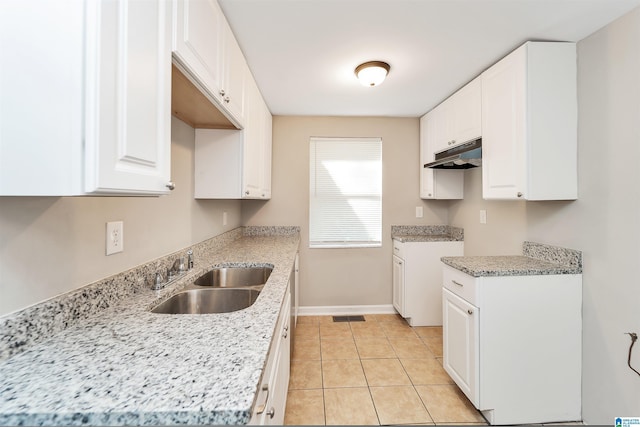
(114, 237)
(419, 212)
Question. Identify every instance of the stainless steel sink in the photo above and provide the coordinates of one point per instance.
(206, 301)
(232, 277)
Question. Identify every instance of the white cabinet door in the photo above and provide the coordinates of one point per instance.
(266, 146)
(503, 127)
(280, 382)
(457, 119)
(205, 48)
(436, 184)
(198, 42)
(102, 103)
(461, 343)
(252, 155)
(529, 124)
(439, 129)
(398, 285)
(465, 114)
(236, 74)
(128, 133)
(271, 400)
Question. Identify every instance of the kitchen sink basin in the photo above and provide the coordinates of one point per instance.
(208, 300)
(231, 277)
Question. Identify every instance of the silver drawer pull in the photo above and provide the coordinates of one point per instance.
(459, 284)
(260, 409)
(470, 311)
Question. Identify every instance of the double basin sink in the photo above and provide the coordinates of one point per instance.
(221, 290)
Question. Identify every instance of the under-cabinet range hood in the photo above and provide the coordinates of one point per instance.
(463, 156)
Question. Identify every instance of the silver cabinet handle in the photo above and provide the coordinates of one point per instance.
(171, 185)
(271, 412)
(457, 283)
(470, 311)
(222, 92)
(246, 192)
(227, 99)
(519, 194)
(260, 409)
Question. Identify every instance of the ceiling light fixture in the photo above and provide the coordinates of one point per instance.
(372, 73)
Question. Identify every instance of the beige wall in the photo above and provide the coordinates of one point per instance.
(604, 222)
(335, 277)
(50, 245)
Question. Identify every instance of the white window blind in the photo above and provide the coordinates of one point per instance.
(345, 200)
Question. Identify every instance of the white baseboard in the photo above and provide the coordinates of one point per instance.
(331, 310)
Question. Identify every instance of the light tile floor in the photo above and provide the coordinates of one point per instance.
(377, 372)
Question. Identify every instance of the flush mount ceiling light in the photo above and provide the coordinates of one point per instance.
(372, 73)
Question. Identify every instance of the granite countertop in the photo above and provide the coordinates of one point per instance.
(426, 233)
(128, 366)
(537, 259)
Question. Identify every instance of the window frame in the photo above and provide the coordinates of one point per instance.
(376, 242)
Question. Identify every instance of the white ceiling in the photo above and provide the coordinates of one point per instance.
(303, 52)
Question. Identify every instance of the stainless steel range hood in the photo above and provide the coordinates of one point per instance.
(463, 156)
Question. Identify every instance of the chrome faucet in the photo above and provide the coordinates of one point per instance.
(177, 269)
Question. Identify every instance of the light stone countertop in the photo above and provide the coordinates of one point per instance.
(537, 259)
(426, 233)
(128, 366)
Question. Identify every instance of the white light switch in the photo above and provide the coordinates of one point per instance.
(115, 237)
(483, 216)
(419, 212)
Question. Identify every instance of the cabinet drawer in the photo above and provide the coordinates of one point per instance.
(461, 284)
(398, 249)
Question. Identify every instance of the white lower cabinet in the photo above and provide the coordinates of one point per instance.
(96, 119)
(272, 393)
(462, 323)
(417, 279)
(513, 344)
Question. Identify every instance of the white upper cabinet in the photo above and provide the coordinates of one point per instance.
(206, 50)
(436, 183)
(529, 124)
(458, 118)
(236, 74)
(198, 41)
(96, 118)
(128, 106)
(236, 164)
(455, 121)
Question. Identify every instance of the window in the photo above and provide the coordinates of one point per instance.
(345, 198)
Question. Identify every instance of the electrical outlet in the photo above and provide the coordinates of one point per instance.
(483, 216)
(224, 218)
(115, 237)
(419, 212)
